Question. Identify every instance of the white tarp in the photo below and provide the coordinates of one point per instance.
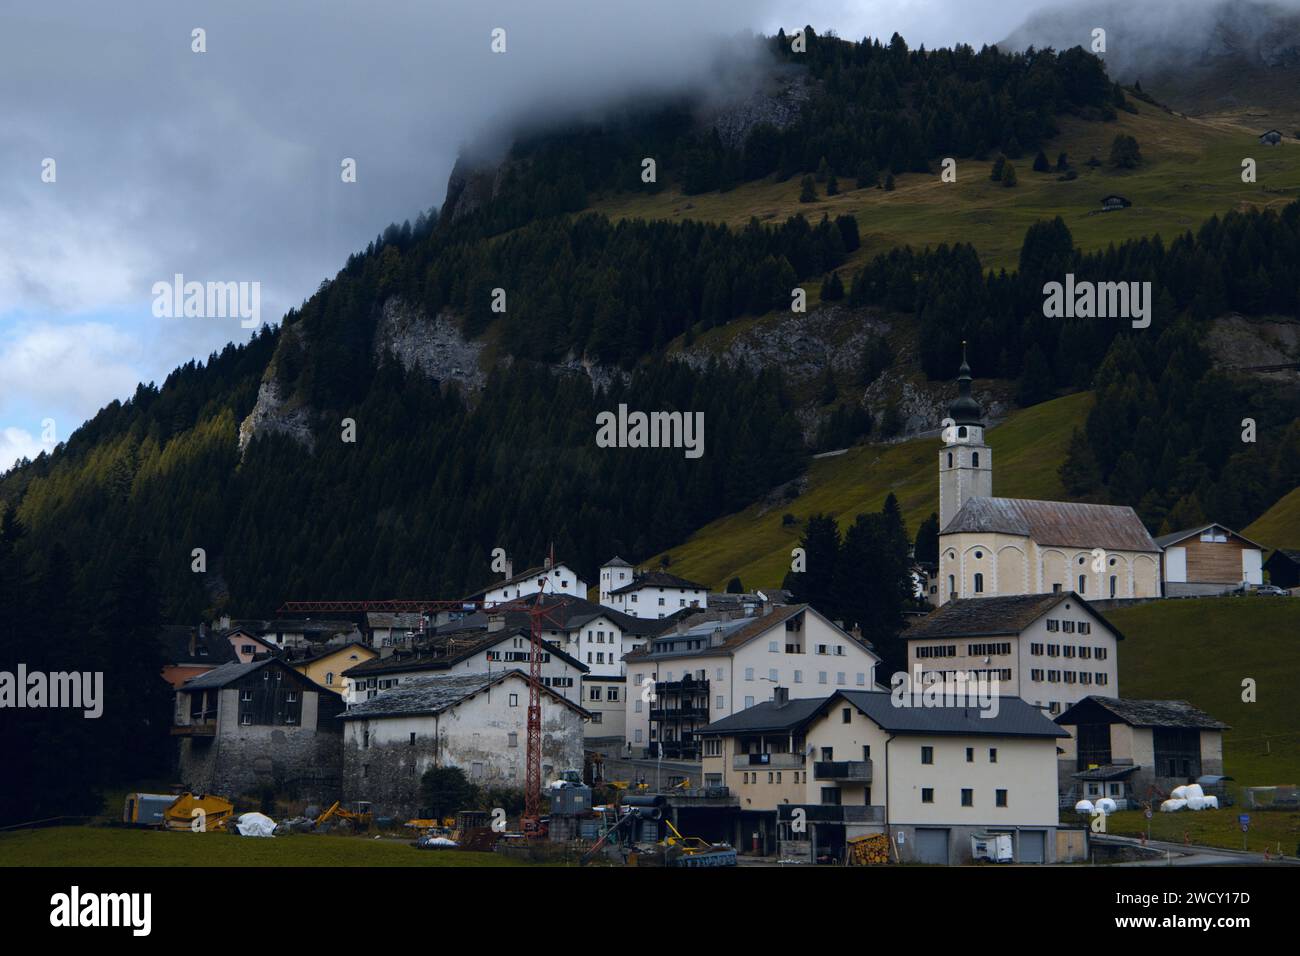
(255, 825)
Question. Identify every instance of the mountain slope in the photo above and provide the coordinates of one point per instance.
(755, 544)
(1279, 526)
(1191, 170)
(1201, 651)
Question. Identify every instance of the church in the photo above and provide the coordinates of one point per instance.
(994, 547)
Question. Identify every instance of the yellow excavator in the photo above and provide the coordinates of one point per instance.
(359, 818)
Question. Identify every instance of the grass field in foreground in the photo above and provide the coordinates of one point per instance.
(118, 846)
(755, 545)
(1268, 829)
(1200, 651)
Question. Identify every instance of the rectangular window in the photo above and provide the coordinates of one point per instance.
(970, 754)
(927, 755)
(1002, 798)
(821, 677)
(798, 677)
(749, 673)
(749, 702)
(993, 755)
(968, 798)
(846, 715)
(927, 794)
(514, 700)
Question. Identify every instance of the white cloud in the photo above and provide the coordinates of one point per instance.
(17, 443)
(66, 372)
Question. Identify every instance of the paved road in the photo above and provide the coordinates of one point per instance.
(1180, 855)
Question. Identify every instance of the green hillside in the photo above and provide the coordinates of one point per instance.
(1191, 170)
(1279, 526)
(1201, 650)
(755, 544)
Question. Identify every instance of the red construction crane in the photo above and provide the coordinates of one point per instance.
(537, 613)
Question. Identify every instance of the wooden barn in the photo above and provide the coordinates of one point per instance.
(1272, 138)
(1112, 202)
(1208, 560)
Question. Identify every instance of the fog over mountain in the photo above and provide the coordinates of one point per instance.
(1144, 39)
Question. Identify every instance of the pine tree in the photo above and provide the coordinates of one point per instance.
(807, 190)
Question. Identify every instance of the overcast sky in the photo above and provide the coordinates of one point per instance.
(225, 165)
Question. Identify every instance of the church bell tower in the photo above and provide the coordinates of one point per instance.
(965, 462)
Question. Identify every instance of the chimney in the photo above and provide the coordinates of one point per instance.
(495, 622)
(224, 623)
(780, 696)
(857, 631)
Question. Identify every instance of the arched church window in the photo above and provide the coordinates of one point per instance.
(961, 432)
(1083, 583)
(975, 459)
(1113, 585)
(949, 459)
(952, 585)
(979, 583)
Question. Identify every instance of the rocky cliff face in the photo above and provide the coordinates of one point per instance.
(435, 345)
(802, 346)
(272, 415)
(778, 103)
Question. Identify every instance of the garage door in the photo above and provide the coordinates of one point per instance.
(1032, 846)
(932, 846)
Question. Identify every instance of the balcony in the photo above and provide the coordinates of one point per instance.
(852, 771)
(688, 685)
(698, 712)
(204, 728)
(769, 761)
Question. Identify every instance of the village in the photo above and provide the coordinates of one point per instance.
(727, 726)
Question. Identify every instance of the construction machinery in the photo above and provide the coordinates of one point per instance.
(695, 851)
(187, 811)
(538, 614)
(359, 818)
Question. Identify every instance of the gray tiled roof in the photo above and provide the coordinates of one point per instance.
(767, 716)
(1068, 524)
(225, 674)
(1015, 717)
(433, 695)
(1147, 713)
(1165, 540)
(658, 579)
(989, 616)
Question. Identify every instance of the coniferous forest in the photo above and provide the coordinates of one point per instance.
(98, 537)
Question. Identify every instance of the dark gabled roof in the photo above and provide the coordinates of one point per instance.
(658, 579)
(538, 571)
(451, 652)
(734, 633)
(616, 562)
(564, 612)
(1288, 554)
(1068, 524)
(433, 695)
(318, 651)
(766, 716)
(1109, 771)
(1165, 540)
(990, 616)
(1015, 717)
(230, 673)
(1142, 713)
(209, 648)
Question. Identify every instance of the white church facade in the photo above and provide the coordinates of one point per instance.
(994, 547)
